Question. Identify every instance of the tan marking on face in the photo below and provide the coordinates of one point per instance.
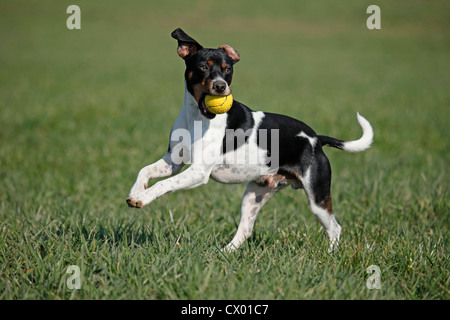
(210, 63)
(201, 88)
(224, 65)
(190, 74)
(198, 91)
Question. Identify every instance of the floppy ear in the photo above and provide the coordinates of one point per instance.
(231, 52)
(186, 45)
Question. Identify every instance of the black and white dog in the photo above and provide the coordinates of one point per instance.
(268, 151)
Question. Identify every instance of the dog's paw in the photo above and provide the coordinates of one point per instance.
(133, 203)
(229, 248)
(138, 187)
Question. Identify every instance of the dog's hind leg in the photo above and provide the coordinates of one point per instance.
(255, 197)
(316, 181)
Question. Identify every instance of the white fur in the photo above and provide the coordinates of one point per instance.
(365, 141)
(326, 219)
(254, 198)
(312, 140)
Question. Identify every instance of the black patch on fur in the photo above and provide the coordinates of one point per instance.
(239, 117)
(331, 142)
(295, 153)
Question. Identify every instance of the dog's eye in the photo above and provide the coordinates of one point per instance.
(227, 70)
(203, 68)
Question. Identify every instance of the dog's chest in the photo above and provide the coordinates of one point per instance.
(241, 161)
(205, 142)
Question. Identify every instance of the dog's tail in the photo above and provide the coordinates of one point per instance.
(361, 144)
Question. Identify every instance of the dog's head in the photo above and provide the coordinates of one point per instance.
(208, 71)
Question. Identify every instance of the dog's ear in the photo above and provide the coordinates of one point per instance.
(186, 45)
(231, 52)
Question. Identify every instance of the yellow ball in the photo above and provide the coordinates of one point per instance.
(218, 104)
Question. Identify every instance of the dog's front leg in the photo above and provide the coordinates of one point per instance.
(192, 177)
(162, 168)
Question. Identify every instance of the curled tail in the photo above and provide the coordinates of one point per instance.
(361, 144)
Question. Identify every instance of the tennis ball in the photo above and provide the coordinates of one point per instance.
(218, 104)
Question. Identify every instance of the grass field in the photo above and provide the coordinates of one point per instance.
(83, 110)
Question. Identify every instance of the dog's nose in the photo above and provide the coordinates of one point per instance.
(219, 86)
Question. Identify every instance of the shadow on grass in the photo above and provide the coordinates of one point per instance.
(122, 234)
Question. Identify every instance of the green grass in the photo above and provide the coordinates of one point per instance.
(83, 111)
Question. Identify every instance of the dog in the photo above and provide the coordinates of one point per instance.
(284, 151)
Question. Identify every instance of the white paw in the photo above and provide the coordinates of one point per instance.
(229, 248)
(134, 203)
(138, 187)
